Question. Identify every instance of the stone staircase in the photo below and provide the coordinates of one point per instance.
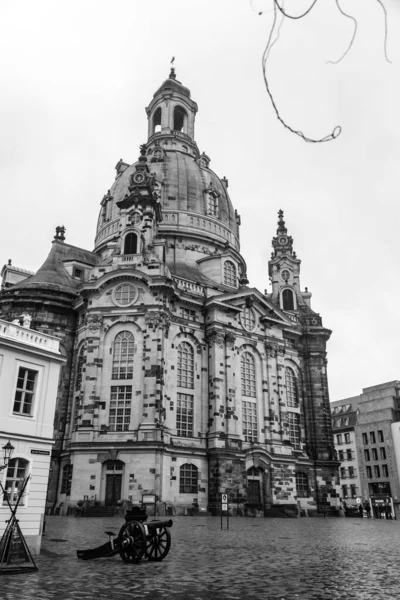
(100, 511)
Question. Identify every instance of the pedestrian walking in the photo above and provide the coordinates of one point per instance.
(368, 509)
(361, 510)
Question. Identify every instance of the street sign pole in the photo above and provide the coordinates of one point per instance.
(224, 508)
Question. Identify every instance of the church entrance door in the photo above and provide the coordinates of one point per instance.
(113, 489)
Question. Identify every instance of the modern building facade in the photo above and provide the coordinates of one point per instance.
(30, 364)
(372, 426)
(181, 380)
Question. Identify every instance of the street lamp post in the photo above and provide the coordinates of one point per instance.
(8, 450)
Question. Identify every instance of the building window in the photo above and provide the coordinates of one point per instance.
(383, 453)
(377, 471)
(230, 273)
(184, 415)
(157, 120)
(123, 351)
(79, 368)
(351, 472)
(212, 205)
(339, 439)
(125, 294)
(66, 479)
(365, 439)
(366, 455)
(374, 454)
(342, 473)
(380, 435)
(372, 437)
(369, 472)
(187, 313)
(294, 428)
(249, 421)
(353, 490)
(17, 471)
(24, 394)
(78, 273)
(180, 119)
(341, 456)
(385, 471)
(344, 491)
(188, 479)
(248, 374)
(185, 367)
(292, 394)
(120, 408)
(349, 455)
(131, 243)
(248, 318)
(346, 438)
(287, 300)
(302, 485)
(346, 422)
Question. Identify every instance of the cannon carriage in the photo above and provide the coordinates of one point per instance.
(136, 539)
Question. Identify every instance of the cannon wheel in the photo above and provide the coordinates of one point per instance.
(158, 543)
(135, 533)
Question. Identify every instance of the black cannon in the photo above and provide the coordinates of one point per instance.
(135, 539)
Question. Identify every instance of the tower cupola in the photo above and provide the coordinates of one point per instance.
(171, 113)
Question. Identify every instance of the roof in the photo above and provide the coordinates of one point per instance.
(52, 274)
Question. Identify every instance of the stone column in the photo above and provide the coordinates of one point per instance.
(216, 382)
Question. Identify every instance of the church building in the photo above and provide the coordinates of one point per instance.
(180, 381)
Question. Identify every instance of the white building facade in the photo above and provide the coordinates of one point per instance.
(29, 374)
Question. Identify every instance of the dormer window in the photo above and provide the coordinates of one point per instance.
(131, 244)
(180, 119)
(230, 277)
(78, 273)
(213, 205)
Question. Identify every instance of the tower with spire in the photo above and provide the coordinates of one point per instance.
(181, 379)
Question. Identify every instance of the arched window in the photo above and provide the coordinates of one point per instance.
(180, 119)
(188, 479)
(292, 393)
(287, 300)
(185, 370)
(230, 273)
(302, 485)
(253, 486)
(130, 244)
(79, 368)
(248, 319)
(248, 374)
(157, 120)
(123, 350)
(17, 470)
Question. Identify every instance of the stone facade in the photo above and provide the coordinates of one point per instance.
(182, 380)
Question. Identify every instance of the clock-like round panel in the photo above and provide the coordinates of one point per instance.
(138, 178)
(283, 240)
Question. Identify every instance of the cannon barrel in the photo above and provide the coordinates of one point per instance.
(151, 525)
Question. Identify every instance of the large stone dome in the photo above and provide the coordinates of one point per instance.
(185, 185)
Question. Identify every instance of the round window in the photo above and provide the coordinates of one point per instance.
(285, 275)
(248, 318)
(125, 294)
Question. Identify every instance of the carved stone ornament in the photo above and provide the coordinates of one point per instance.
(270, 349)
(154, 320)
(230, 339)
(214, 336)
(94, 322)
(316, 362)
(122, 319)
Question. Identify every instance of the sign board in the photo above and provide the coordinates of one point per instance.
(148, 498)
(224, 498)
(47, 452)
(224, 506)
(358, 500)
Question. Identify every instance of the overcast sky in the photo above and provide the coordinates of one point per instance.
(76, 76)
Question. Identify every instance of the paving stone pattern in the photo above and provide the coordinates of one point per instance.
(266, 559)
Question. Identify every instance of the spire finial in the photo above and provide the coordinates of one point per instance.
(172, 72)
(281, 223)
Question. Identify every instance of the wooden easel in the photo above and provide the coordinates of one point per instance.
(15, 556)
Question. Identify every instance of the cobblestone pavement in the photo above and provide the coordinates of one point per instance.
(266, 559)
